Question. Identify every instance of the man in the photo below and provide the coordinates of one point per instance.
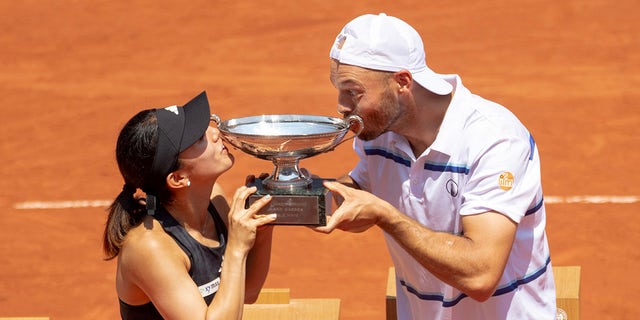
(452, 179)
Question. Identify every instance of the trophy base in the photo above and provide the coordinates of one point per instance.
(295, 206)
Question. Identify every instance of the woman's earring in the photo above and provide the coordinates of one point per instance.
(188, 183)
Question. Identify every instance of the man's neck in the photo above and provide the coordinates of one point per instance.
(425, 123)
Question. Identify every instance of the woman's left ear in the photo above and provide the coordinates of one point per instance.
(176, 181)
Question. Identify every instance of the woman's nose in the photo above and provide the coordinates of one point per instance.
(215, 133)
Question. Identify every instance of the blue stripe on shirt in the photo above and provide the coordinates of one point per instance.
(439, 167)
(532, 143)
(446, 167)
(447, 303)
(535, 208)
(387, 154)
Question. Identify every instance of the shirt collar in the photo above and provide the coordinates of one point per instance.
(448, 138)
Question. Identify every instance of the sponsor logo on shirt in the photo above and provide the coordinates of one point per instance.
(452, 188)
(210, 288)
(506, 181)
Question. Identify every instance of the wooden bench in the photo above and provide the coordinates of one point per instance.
(277, 304)
(567, 280)
(567, 292)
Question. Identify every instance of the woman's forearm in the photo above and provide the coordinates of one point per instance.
(229, 300)
(258, 263)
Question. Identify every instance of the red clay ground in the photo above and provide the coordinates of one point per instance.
(73, 71)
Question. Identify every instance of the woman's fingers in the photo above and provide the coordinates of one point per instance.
(263, 219)
(242, 194)
(240, 198)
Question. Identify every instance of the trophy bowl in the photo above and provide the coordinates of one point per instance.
(297, 197)
(285, 139)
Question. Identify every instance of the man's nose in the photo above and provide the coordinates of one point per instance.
(344, 110)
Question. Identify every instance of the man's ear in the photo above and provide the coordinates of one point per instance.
(404, 79)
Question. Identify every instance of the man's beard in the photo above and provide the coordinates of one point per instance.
(380, 121)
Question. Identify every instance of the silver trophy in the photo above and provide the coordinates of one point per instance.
(297, 197)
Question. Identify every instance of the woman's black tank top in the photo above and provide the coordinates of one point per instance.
(206, 263)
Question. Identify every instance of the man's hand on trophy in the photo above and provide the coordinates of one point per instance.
(357, 213)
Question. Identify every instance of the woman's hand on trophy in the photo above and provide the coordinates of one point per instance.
(243, 223)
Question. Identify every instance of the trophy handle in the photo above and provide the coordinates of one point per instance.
(215, 118)
(351, 120)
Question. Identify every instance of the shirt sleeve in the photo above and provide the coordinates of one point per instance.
(504, 177)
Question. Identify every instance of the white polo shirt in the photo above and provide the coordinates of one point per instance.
(483, 159)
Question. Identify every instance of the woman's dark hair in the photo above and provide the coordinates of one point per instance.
(135, 151)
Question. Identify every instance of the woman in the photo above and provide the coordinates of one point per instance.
(171, 241)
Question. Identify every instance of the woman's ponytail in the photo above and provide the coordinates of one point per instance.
(135, 151)
(125, 212)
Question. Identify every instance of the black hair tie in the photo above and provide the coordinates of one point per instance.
(151, 204)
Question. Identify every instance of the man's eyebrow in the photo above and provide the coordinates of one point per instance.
(348, 82)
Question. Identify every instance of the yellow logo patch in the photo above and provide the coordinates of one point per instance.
(506, 181)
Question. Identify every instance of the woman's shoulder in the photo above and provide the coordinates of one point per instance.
(148, 241)
(148, 258)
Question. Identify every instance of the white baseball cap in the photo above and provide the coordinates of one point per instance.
(382, 42)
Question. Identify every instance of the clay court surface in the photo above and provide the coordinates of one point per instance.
(72, 72)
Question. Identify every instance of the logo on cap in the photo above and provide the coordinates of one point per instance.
(173, 109)
(505, 181)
